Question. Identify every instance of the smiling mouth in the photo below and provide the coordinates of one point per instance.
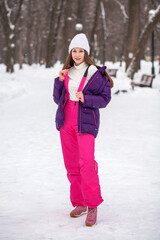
(78, 59)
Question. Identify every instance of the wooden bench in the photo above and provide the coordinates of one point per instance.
(112, 71)
(146, 81)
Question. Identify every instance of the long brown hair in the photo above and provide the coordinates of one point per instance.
(70, 63)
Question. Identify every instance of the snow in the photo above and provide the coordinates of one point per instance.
(9, 12)
(69, 18)
(34, 190)
(79, 26)
(11, 36)
(102, 10)
(12, 45)
(153, 13)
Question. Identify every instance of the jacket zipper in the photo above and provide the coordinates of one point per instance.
(79, 107)
(79, 118)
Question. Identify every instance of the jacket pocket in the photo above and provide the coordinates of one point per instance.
(94, 116)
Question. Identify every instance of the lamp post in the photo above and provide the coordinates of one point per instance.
(153, 68)
(151, 13)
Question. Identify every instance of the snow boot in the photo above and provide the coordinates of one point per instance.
(78, 211)
(91, 217)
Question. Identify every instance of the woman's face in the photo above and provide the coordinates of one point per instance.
(78, 55)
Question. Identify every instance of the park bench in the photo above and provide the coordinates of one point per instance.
(112, 71)
(146, 81)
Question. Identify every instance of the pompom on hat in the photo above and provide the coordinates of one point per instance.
(80, 41)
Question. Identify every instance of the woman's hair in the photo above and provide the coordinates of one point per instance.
(70, 63)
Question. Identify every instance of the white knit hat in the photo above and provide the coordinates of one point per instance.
(80, 41)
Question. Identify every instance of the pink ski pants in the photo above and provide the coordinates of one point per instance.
(78, 154)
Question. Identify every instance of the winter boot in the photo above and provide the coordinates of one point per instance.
(91, 217)
(78, 211)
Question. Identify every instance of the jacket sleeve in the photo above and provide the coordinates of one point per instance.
(57, 90)
(99, 101)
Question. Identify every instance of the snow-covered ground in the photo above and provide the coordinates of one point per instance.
(34, 190)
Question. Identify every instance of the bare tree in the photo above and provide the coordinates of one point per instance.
(125, 21)
(45, 27)
(8, 24)
(53, 30)
(133, 29)
(20, 44)
(94, 37)
(104, 30)
(142, 42)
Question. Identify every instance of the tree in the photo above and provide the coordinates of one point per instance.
(53, 30)
(104, 31)
(8, 24)
(133, 30)
(45, 27)
(153, 20)
(94, 39)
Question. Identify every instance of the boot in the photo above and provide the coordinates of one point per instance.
(91, 217)
(78, 211)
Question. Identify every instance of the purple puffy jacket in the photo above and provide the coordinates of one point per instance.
(97, 94)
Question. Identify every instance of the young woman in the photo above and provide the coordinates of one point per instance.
(80, 90)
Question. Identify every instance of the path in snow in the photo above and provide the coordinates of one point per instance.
(34, 191)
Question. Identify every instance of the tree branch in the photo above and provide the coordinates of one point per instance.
(122, 9)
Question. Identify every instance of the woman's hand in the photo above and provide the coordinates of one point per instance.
(62, 73)
(80, 96)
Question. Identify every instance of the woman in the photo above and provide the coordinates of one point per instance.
(80, 90)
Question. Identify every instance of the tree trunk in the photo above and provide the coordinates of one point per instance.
(20, 44)
(9, 36)
(29, 32)
(69, 21)
(133, 30)
(104, 31)
(9, 31)
(53, 31)
(94, 40)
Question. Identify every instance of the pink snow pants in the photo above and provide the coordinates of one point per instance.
(78, 154)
